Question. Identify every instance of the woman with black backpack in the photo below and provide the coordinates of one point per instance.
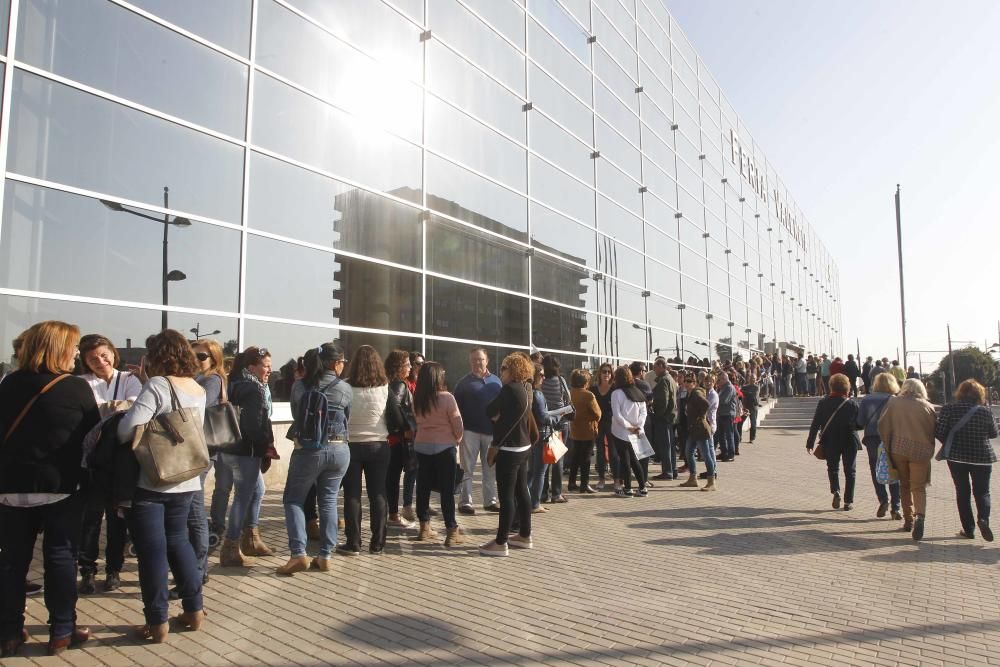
(320, 402)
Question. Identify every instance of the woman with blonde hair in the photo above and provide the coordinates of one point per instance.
(834, 424)
(44, 415)
(907, 429)
(965, 428)
(869, 411)
(513, 432)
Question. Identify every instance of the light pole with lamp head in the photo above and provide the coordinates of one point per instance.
(196, 330)
(167, 276)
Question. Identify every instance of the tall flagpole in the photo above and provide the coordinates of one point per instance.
(902, 298)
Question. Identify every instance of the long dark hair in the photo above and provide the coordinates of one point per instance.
(317, 361)
(429, 382)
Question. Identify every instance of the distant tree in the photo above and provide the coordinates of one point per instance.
(724, 349)
(970, 362)
(230, 348)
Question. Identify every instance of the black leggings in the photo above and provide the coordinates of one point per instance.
(581, 462)
(512, 488)
(626, 461)
(436, 471)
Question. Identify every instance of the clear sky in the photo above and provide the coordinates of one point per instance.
(850, 98)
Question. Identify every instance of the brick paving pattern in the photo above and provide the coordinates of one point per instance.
(761, 572)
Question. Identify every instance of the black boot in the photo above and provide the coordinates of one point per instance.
(87, 585)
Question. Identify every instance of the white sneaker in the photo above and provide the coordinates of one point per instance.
(491, 548)
(519, 542)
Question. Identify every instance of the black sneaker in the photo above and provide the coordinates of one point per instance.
(112, 582)
(345, 550)
(836, 501)
(918, 529)
(495, 508)
(985, 530)
(87, 585)
(642, 493)
(467, 509)
(624, 493)
(31, 590)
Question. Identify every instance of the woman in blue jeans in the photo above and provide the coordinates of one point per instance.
(321, 455)
(158, 517)
(869, 411)
(248, 390)
(699, 437)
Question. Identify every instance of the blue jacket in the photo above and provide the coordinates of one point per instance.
(473, 394)
(540, 409)
(871, 405)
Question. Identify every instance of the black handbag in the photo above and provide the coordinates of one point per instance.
(222, 426)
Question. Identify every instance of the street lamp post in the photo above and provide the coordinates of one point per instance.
(196, 330)
(167, 276)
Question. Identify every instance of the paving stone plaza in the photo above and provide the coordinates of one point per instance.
(761, 572)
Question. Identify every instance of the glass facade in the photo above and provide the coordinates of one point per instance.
(426, 174)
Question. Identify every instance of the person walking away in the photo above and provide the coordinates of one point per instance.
(44, 415)
(607, 461)
(473, 393)
(557, 396)
(628, 418)
(583, 428)
(852, 372)
(869, 412)
(834, 424)
(401, 455)
(907, 429)
(375, 412)
(509, 452)
(439, 431)
(321, 405)
(965, 428)
(158, 516)
(114, 391)
(897, 372)
(866, 375)
(247, 390)
(664, 408)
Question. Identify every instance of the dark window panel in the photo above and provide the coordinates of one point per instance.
(558, 281)
(463, 252)
(561, 236)
(457, 310)
(460, 193)
(561, 328)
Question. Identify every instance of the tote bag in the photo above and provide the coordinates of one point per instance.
(171, 447)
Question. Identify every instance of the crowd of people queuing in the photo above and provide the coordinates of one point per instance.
(69, 409)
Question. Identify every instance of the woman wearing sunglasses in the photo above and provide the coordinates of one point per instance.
(212, 377)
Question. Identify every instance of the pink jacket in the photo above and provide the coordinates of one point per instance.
(442, 425)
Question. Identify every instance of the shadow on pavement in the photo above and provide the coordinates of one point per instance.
(780, 543)
(940, 553)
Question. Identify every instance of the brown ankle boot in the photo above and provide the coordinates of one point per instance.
(454, 537)
(426, 533)
(294, 564)
(692, 481)
(713, 484)
(230, 555)
(252, 545)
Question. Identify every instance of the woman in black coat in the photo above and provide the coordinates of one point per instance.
(44, 415)
(835, 423)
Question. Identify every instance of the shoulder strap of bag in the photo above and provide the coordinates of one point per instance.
(118, 380)
(24, 411)
(877, 413)
(175, 403)
(527, 407)
(827, 424)
(955, 429)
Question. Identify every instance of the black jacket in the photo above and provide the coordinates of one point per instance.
(255, 423)
(114, 470)
(403, 419)
(842, 433)
(515, 425)
(45, 453)
(851, 369)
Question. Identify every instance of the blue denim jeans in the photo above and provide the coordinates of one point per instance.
(247, 481)
(158, 523)
(224, 489)
(198, 527)
(536, 474)
(707, 449)
(880, 492)
(726, 436)
(59, 524)
(325, 468)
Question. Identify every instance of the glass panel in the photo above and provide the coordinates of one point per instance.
(617, 261)
(660, 216)
(552, 143)
(4, 24)
(413, 8)
(329, 288)
(463, 252)
(694, 293)
(556, 327)
(333, 70)
(458, 81)
(472, 143)
(620, 49)
(623, 190)
(551, 15)
(628, 340)
(617, 115)
(562, 236)
(127, 328)
(663, 313)
(622, 17)
(504, 15)
(105, 46)
(555, 101)
(580, 10)
(558, 281)
(54, 126)
(299, 126)
(625, 301)
(225, 22)
(457, 310)
(718, 304)
(46, 228)
(461, 29)
(555, 188)
(294, 202)
(618, 223)
(555, 59)
(396, 43)
(455, 358)
(290, 341)
(467, 196)
(663, 279)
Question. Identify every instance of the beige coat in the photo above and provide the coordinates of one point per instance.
(907, 427)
